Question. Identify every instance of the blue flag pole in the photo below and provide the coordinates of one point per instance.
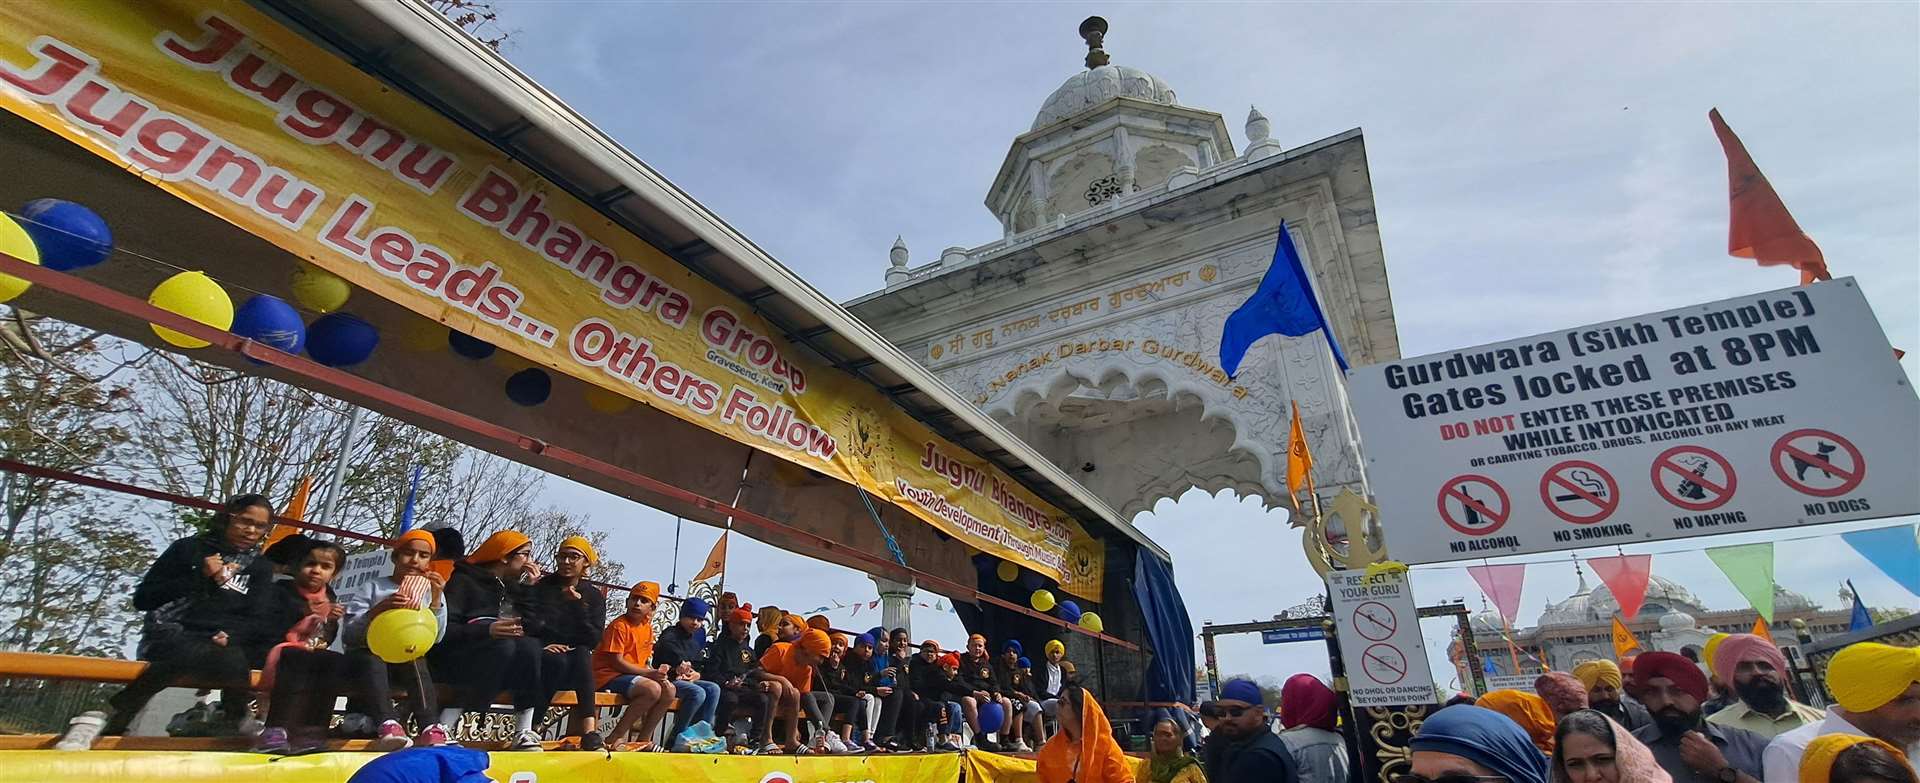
(1283, 304)
(1861, 617)
(413, 490)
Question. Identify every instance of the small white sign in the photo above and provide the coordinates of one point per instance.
(361, 569)
(1379, 630)
(1511, 682)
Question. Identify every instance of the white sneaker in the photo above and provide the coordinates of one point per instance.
(82, 731)
(1020, 746)
(835, 744)
(251, 727)
(527, 740)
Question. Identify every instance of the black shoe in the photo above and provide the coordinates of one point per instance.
(987, 745)
(592, 740)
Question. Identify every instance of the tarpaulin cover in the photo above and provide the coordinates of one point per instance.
(1170, 671)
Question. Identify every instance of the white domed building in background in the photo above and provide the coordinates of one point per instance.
(1580, 627)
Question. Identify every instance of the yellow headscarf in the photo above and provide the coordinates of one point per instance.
(1593, 673)
(416, 534)
(1528, 710)
(498, 546)
(1056, 644)
(1865, 676)
(583, 546)
(1817, 765)
(1713, 646)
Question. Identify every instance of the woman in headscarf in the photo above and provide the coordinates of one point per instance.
(1849, 758)
(1170, 762)
(1563, 692)
(1307, 715)
(1469, 740)
(1084, 750)
(1592, 748)
(1530, 712)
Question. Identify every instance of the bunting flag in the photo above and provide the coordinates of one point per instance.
(1893, 550)
(413, 491)
(1626, 577)
(1299, 460)
(1862, 619)
(1758, 223)
(1750, 568)
(716, 560)
(296, 509)
(1762, 630)
(1624, 642)
(1502, 583)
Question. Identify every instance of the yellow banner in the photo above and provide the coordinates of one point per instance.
(192, 767)
(983, 767)
(226, 109)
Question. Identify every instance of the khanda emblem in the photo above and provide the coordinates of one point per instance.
(866, 441)
(1081, 563)
(1349, 537)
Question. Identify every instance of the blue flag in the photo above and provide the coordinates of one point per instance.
(1861, 619)
(1283, 304)
(1893, 549)
(406, 514)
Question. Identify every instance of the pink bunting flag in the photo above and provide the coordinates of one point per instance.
(1626, 577)
(1502, 583)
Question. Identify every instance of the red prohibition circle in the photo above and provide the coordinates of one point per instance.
(1555, 490)
(1719, 495)
(1499, 518)
(1784, 448)
(1378, 654)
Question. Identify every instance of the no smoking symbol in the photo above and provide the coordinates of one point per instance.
(1374, 621)
(1384, 664)
(1474, 505)
(1580, 492)
(1695, 478)
(1818, 463)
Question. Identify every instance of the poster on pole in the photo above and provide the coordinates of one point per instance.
(1380, 642)
(1765, 411)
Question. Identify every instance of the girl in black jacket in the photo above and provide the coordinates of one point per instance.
(301, 617)
(487, 648)
(197, 597)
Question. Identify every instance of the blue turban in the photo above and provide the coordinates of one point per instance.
(865, 638)
(1014, 645)
(695, 608)
(1483, 737)
(1026, 664)
(450, 764)
(1242, 690)
(877, 633)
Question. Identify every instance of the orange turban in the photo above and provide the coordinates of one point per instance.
(650, 590)
(816, 642)
(416, 534)
(1528, 710)
(498, 546)
(950, 661)
(819, 622)
(583, 546)
(741, 616)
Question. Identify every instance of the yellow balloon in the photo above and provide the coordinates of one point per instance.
(319, 290)
(402, 635)
(1091, 622)
(605, 401)
(1042, 600)
(15, 241)
(196, 296)
(421, 335)
(1007, 571)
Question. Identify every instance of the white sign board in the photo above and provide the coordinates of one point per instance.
(1511, 682)
(1379, 630)
(361, 569)
(1767, 411)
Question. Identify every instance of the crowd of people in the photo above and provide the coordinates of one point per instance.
(1653, 719)
(217, 606)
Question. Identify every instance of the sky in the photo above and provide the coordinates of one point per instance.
(1534, 166)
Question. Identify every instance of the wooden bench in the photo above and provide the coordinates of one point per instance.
(80, 668)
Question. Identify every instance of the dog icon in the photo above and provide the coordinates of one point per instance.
(1801, 466)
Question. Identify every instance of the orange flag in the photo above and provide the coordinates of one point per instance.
(716, 559)
(1299, 460)
(1759, 226)
(296, 509)
(1761, 630)
(1623, 639)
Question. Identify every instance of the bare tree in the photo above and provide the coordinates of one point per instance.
(478, 18)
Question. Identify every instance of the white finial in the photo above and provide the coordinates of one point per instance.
(1258, 129)
(898, 255)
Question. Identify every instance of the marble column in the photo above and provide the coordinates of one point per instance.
(896, 603)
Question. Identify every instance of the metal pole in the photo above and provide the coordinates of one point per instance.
(340, 465)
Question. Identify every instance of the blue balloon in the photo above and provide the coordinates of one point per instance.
(1069, 611)
(341, 340)
(469, 346)
(529, 387)
(68, 236)
(270, 321)
(991, 717)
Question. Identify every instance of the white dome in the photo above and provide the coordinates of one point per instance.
(1090, 88)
